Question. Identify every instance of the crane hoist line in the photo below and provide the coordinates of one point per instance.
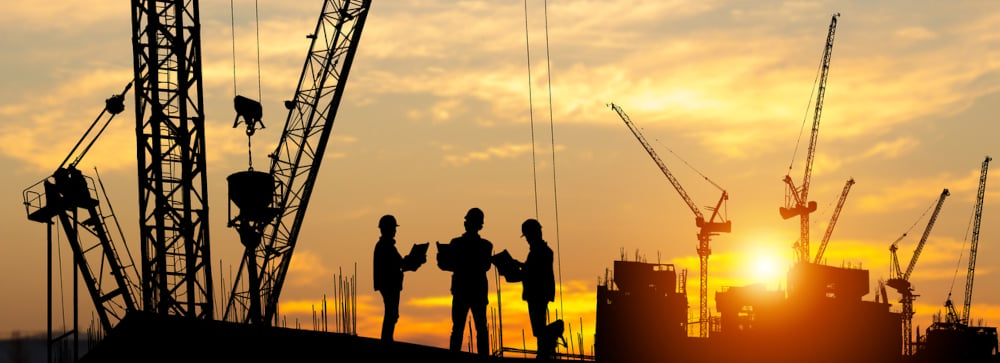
(273, 205)
(707, 228)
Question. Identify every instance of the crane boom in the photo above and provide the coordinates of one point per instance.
(927, 232)
(833, 220)
(707, 229)
(296, 161)
(797, 199)
(970, 275)
(109, 280)
(900, 280)
(663, 167)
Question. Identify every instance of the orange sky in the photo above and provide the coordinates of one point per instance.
(437, 118)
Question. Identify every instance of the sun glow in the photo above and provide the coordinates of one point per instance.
(765, 268)
(767, 264)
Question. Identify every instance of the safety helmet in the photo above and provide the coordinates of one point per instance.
(387, 221)
(530, 225)
(474, 215)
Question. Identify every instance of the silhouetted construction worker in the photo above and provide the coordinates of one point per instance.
(388, 266)
(539, 284)
(468, 257)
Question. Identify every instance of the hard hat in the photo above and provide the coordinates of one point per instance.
(474, 215)
(530, 225)
(387, 221)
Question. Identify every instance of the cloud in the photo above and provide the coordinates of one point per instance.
(909, 193)
(891, 149)
(505, 151)
(307, 269)
(70, 15)
(61, 116)
(915, 33)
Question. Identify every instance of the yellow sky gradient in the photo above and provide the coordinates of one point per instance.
(436, 118)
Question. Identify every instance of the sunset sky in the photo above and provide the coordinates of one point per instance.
(439, 116)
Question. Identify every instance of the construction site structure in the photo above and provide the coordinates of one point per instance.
(797, 201)
(640, 313)
(954, 337)
(833, 221)
(72, 200)
(171, 155)
(977, 217)
(272, 205)
(706, 228)
(900, 279)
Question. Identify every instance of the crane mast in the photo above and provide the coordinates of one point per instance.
(296, 160)
(706, 228)
(170, 135)
(797, 198)
(900, 280)
(970, 275)
(833, 220)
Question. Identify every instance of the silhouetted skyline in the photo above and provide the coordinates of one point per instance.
(436, 119)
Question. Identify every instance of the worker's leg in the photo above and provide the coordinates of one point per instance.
(459, 310)
(482, 331)
(391, 316)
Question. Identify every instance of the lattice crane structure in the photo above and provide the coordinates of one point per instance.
(797, 198)
(173, 180)
(900, 280)
(707, 228)
(295, 164)
(974, 243)
(833, 220)
(72, 198)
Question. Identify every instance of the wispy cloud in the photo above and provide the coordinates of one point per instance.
(308, 269)
(505, 151)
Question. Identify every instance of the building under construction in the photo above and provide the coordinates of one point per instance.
(821, 313)
(822, 317)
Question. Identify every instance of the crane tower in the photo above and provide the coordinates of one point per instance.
(707, 228)
(170, 136)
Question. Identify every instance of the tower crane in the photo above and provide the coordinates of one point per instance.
(707, 228)
(974, 246)
(797, 198)
(900, 280)
(109, 280)
(170, 136)
(296, 160)
(833, 220)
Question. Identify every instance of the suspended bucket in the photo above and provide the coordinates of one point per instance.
(251, 191)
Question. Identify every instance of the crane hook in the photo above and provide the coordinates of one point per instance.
(251, 111)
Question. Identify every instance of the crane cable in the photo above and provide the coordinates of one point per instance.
(232, 20)
(805, 116)
(552, 132)
(555, 194)
(961, 252)
(933, 203)
(531, 108)
(716, 185)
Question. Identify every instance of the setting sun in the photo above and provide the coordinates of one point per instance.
(766, 263)
(766, 268)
